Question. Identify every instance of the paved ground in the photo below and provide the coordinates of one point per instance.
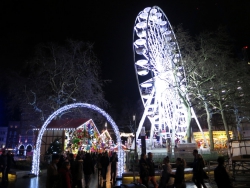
(24, 181)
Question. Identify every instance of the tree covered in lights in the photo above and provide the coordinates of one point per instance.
(56, 76)
(213, 74)
(203, 63)
(223, 92)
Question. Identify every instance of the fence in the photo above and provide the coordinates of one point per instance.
(239, 153)
(159, 156)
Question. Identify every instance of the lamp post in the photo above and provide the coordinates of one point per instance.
(143, 141)
(135, 133)
(135, 152)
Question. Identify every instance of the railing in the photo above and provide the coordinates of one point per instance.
(158, 157)
(239, 155)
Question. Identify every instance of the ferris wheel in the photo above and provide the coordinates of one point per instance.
(160, 76)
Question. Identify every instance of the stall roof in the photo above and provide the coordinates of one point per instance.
(65, 124)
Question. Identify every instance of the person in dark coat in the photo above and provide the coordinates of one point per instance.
(179, 181)
(65, 178)
(204, 174)
(3, 165)
(78, 171)
(99, 165)
(88, 168)
(71, 160)
(60, 162)
(221, 176)
(105, 164)
(151, 165)
(198, 165)
(52, 172)
(10, 162)
(144, 170)
(113, 162)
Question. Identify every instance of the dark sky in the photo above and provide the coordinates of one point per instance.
(109, 25)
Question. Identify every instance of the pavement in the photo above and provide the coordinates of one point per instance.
(22, 179)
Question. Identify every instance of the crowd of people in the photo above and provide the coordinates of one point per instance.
(67, 171)
(170, 179)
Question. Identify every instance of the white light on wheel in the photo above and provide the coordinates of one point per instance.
(141, 62)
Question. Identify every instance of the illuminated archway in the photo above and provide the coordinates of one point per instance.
(29, 148)
(36, 154)
(21, 149)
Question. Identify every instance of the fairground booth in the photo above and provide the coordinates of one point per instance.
(73, 135)
(219, 137)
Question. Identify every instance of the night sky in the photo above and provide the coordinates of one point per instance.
(109, 25)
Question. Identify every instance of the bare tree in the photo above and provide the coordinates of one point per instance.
(210, 67)
(59, 75)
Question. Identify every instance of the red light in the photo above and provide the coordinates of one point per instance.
(246, 47)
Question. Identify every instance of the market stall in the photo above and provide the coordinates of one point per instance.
(219, 137)
(85, 138)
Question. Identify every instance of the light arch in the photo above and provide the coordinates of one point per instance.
(36, 153)
(18, 148)
(28, 146)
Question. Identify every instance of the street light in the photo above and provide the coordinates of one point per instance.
(135, 152)
(134, 119)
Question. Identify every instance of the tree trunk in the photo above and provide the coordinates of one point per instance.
(189, 116)
(237, 120)
(211, 138)
(224, 121)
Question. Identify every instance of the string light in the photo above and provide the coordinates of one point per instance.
(36, 154)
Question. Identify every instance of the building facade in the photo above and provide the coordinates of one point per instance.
(26, 142)
(13, 135)
(3, 136)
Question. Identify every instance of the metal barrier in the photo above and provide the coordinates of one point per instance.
(239, 154)
(158, 157)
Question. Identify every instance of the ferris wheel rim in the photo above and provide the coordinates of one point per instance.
(172, 32)
(147, 88)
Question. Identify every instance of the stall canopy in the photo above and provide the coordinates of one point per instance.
(66, 124)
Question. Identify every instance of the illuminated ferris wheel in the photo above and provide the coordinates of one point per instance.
(160, 76)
